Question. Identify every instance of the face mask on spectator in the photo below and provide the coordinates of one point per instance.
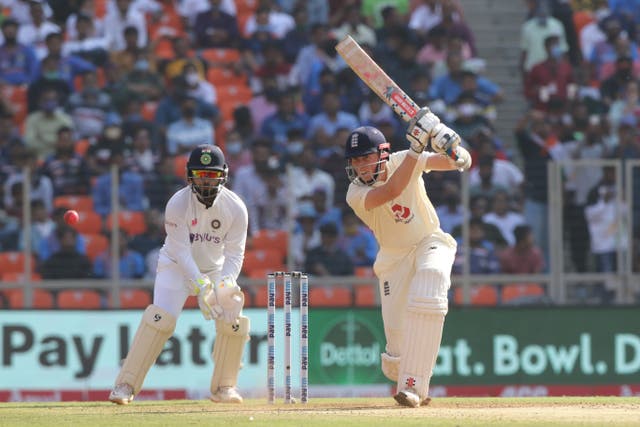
(467, 109)
(192, 78)
(234, 146)
(556, 51)
(49, 105)
(141, 65)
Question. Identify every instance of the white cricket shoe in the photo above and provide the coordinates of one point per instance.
(122, 394)
(408, 397)
(226, 395)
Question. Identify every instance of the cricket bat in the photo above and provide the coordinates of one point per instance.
(378, 81)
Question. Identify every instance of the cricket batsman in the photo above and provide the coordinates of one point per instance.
(206, 226)
(414, 262)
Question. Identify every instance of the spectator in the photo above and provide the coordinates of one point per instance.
(190, 131)
(169, 108)
(451, 85)
(450, 213)
(470, 115)
(98, 154)
(274, 65)
(89, 108)
(523, 257)
(42, 226)
(51, 244)
(41, 128)
(48, 78)
(153, 237)
(503, 217)
(196, 85)
(68, 171)
(269, 20)
(308, 177)
(328, 259)
(481, 179)
(237, 152)
(41, 186)
(306, 235)
(550, 79)
(357, 241)
(355, 26)
(162, 182)
(602, 58)
(66, 262)
(183, 54)
(627, 107)
(502, 174)
(120, 17)
(131, 190)
(478, 207)
(437, 47)
(86, 10)
(69, 66)
(298, 37)
(18, 62)
(325, 124)
(215, 28)
(88, 42)
(35, 33)
(326, 213)
(533, 34)
(269, 210)
(454, 25)
(285, 119)
(482, 256)
(139, 157)
(426, 16)
(131, 263)
(126, 58)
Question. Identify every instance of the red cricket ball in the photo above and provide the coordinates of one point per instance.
(71, 217)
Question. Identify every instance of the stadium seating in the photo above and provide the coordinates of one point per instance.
(131, 222)
(330, 296)
(222, 77)
(17, 277)
(42, 298)
(79, 203)
(482, 295)
(78, 299)
(262, 259)
(521, 293)
(217, 57)
(95, 244)
(134, 298)
(271, 239)
(365, 295)
(13, 262)
(89, 222)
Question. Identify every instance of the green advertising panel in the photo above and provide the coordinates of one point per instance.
(345, 347)
(489, 346)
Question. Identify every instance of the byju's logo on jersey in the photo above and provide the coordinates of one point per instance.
(204, 237)
(402, 213)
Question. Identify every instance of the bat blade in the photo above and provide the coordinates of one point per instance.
(374, 77)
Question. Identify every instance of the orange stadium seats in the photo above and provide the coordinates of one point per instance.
(134, 298)
(81, 147)
(89, 222)
(79, 203)
(180, 165)
(13, 262)
(271, 239)
(42, 298)
(78, 299)
(521, 291)
(218, 56)
(222, 77)
(262, 259)
(330, 296)
(260, 297)
(95, 244)
(131, 222)
(484, 295)
(17, 277)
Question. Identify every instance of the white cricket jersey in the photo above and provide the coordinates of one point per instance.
(205, 241)
(401, 222)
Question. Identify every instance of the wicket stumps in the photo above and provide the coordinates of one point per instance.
(303, 284)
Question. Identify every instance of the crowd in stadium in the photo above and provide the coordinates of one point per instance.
(88, 84)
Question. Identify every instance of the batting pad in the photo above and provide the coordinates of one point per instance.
(156, 327)
(426, 309)
(390, 365)
(227, 352)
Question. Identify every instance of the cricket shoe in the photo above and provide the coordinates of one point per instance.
(122, 394)
(407, 397)
(226, 395)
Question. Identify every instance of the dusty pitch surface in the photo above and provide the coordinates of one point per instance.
(596, 411)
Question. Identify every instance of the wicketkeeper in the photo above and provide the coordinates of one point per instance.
(206, 226)
(415, 258)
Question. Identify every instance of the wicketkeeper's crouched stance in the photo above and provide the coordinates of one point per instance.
(414, 262)
(206, 227)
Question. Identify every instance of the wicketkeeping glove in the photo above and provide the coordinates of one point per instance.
(420, 129)
(207, 300)
(230, 299)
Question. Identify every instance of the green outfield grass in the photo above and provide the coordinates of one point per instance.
(496, 412)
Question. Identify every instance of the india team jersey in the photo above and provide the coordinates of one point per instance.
(201, 240)
(403, 221)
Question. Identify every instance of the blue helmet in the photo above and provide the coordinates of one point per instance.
(363, 141)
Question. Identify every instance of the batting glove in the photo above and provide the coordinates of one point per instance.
(444, 140)
(420, 129)
(462, 160)
(207, 301)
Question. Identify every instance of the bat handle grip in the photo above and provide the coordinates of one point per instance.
(451, 152)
